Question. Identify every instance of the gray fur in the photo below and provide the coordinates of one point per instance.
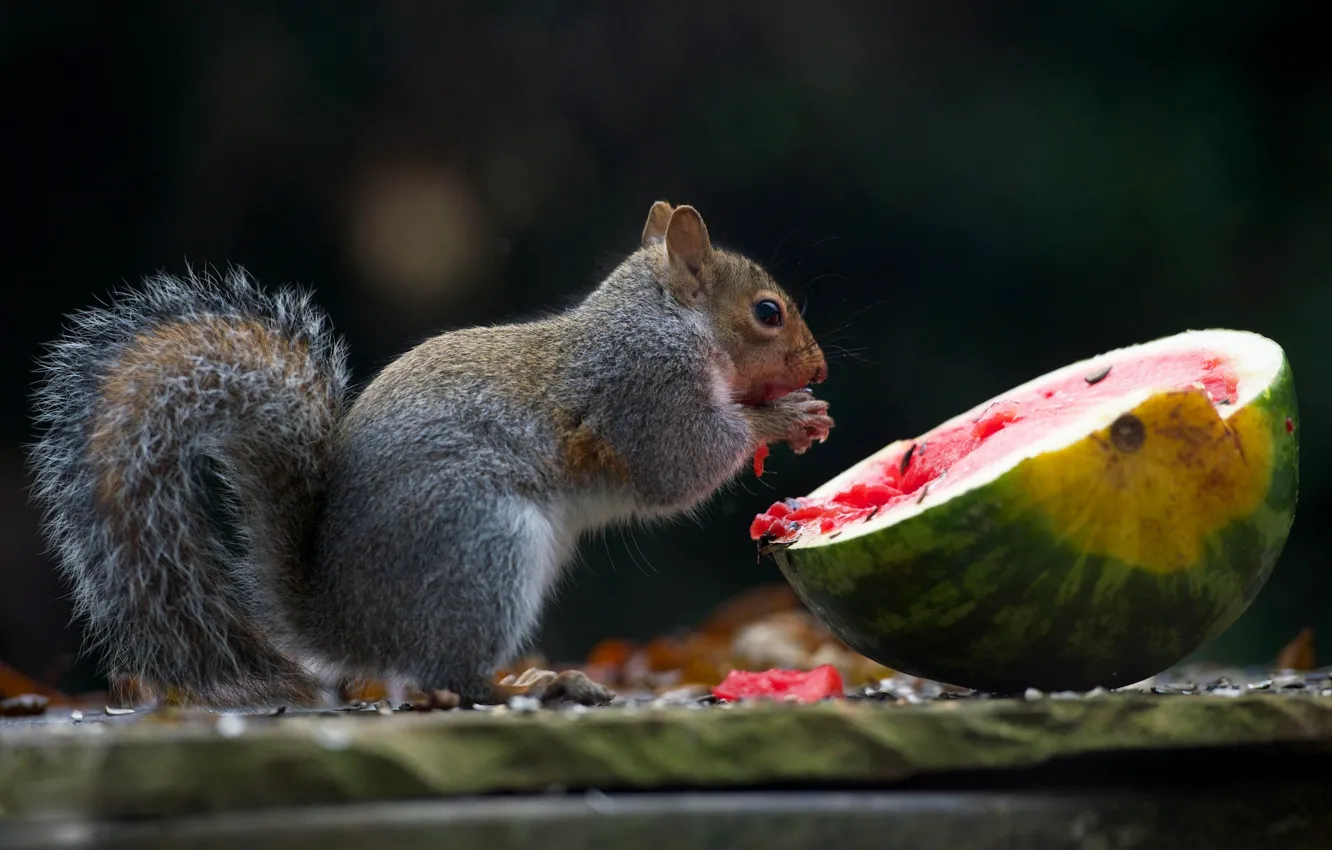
(445, 505)
(164, 595)
(645, 374)
(415, 537)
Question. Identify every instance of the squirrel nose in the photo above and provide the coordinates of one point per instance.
(821, 373)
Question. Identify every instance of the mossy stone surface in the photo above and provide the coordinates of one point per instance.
(146, 766)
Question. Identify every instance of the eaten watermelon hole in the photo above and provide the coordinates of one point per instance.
(962, 448)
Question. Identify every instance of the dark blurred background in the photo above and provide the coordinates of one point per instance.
(969, 194)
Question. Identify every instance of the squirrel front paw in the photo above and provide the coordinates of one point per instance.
(797, 419)
(551, 687)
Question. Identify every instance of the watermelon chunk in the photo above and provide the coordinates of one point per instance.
(1091, 527)
(760, 455)
(796, 685)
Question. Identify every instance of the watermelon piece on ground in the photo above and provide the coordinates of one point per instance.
(795, 685)
(1091, 527)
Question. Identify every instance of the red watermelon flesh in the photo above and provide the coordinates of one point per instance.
(987, 435)
(795, 685)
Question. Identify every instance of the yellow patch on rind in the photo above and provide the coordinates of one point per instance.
(1151, 498)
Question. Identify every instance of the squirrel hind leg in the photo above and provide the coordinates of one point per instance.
(572, 686)
(292, 688)
(548, 686)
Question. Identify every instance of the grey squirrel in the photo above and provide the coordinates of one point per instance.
(414, 534)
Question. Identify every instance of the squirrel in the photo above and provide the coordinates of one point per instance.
(238, 533)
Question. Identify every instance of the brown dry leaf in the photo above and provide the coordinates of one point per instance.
(781, 640)
(608, 658)
(761, 628)
(611, 651)
(691, 657)
(14, 684)
(367, 691)
(855, 668)
(27, 705)
(749, 607)
(1299, 653)
(797, 640)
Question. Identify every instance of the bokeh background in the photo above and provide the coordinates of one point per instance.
(969, 194)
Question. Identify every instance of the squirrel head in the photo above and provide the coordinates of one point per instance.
(756, 321)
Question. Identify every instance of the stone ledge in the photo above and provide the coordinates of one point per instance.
(1284, 816)
(144, 765)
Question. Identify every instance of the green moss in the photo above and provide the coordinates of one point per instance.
(152, 769)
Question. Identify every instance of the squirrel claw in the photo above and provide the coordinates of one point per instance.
(576, 686)
(796, 419)
(550, 687)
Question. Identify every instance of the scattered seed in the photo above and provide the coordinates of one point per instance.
(923, 491)
(230, 725)
(834, 535)
(1127, 433)
(442, 700)
(112, 711)
(1097, 376)
(874, 510)
(906, 459)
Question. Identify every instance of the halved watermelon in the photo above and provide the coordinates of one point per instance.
(1089, 528)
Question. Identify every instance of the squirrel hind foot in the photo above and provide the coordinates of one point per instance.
(294, 690)
(567, 686)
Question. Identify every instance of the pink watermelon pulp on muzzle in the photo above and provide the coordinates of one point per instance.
(1091, 527)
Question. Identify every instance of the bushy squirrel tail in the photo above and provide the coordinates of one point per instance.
(184, 434)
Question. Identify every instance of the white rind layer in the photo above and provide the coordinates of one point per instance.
(1256, 359)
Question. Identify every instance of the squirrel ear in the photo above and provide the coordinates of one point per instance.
(687, 247)
(658, 217)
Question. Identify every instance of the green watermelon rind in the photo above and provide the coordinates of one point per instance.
(956, 593)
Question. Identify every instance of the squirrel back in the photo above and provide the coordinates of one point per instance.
(181, 404)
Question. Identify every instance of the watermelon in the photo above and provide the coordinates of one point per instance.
(1089, 528)
(794, 685)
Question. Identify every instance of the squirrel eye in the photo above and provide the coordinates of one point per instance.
(768, 312)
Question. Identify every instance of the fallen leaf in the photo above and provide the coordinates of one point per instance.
(749, 607)
(1299, 653)
(368, 691)
(27, 705)
(13, 684)
(611, 652)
